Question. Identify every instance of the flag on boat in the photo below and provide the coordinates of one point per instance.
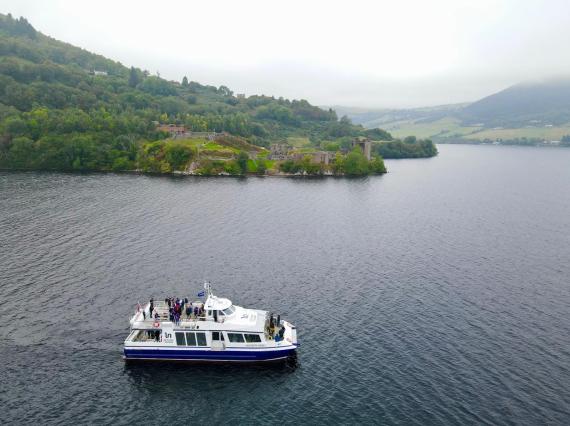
(201, 294)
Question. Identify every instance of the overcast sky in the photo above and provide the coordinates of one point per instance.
(397, 53)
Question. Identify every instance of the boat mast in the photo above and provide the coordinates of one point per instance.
(208, 288)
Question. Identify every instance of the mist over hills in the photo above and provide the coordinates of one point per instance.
(376, 117)
(535, 110)
(530, 102)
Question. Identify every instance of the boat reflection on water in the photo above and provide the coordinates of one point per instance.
(168, 376)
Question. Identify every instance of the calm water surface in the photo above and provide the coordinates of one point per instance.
(436, 294)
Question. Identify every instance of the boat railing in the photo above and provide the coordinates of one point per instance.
(151, 321)
(162, 309)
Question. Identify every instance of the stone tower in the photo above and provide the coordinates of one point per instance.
(365, 146)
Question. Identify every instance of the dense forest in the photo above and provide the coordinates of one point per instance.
(64, 108)
(410, 147)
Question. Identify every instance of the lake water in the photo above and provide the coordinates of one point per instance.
(436, 294)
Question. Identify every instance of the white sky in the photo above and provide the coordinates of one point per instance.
(397, 53)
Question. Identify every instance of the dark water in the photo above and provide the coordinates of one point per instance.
(436, 294)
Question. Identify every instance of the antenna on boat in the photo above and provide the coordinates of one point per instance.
(208, 288)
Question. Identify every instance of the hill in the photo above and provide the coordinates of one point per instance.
(64, 108)
(371, 118)
(546, 102)
(527, 113)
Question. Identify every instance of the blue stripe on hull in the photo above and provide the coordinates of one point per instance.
(207, 355)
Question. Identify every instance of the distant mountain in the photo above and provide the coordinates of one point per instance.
(531, 110)
(372, 117)
(546, 102)
(358, 115)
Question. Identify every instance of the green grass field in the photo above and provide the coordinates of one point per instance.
(213, 146)
(189, 142)
(547, 133)
(444, 127)
(451, 127)
(298, 142)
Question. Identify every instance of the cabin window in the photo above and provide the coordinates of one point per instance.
(201, 339)
(235, 337)
(180, 341)
(252, 338)
(229, 311)
(215, 335)
(191, 339)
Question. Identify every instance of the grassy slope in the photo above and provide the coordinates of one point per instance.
(520, 111)
(56, 115)
(445, 127)
(547, 133)
(36, 70)
(451, 127)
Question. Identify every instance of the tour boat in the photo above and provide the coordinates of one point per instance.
(210, 330)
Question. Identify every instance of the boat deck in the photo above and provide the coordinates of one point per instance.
(162, 308)
(254, 321)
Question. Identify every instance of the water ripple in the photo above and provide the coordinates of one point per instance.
(436, 294)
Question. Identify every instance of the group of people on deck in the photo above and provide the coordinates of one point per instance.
(176, 308)
(150, 310)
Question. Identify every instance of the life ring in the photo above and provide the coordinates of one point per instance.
(156, 324)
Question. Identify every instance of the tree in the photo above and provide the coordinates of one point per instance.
(231, 167)
(343, 127)
(330, 146)
(15, 126)
(355, 163)
(22, 152)
(173, 105)
(309, 167)
(377, 165)
(178, 155)
(411, 148)
(261, 166)
(225, 91)
(338, 164)
(378, 134)
(242, 161)
(122, 163)
(185, 82)
(157, 86)
(289, 166)
(133, 77)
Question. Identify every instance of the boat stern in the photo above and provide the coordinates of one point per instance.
(290, 334)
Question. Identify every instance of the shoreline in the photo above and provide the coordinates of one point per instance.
(184, 175)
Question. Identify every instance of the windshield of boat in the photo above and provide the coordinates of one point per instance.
(229, 311)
